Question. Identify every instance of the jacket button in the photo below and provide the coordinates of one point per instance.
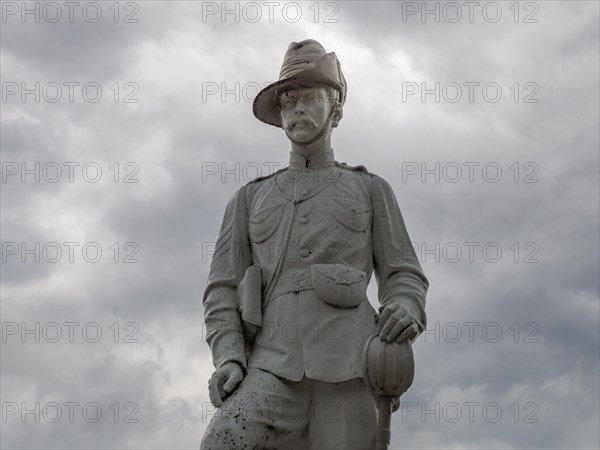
(304, 192)
(304, 252)
(303, 220)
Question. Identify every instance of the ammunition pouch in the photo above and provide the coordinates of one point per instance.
(339, 285)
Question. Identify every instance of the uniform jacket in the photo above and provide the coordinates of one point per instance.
(315, 211)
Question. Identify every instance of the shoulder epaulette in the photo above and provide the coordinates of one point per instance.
(358, 168)
(264, 177)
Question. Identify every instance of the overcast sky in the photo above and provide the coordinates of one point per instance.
(125, 133)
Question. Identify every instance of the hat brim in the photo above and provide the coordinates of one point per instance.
(266, 103)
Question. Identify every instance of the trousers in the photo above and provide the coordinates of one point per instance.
(268, 412)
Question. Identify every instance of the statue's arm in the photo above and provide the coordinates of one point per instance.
(232, 255)
(402, 285)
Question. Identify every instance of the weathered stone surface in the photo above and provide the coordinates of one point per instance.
(310, 237)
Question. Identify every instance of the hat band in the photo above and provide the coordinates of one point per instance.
(294, 67)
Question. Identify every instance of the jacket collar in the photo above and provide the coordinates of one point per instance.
(318, 161)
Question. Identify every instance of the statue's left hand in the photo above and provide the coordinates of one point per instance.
(397, 323)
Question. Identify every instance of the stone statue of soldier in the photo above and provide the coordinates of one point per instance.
(286, 307)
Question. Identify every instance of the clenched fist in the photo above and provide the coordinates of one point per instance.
(397, 323)
(224, 381)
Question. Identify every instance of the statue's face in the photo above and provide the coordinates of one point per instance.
(304, 111)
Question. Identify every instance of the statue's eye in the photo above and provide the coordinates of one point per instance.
(288, 98)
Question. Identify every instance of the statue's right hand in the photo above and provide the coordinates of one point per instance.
(224, 381)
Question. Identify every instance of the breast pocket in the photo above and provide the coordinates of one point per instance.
(351, 214)
(264, 222)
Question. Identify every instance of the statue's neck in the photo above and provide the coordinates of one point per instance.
(320, 146)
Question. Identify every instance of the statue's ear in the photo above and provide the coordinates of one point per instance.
(338, 113)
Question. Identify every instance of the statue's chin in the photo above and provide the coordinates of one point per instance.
(301, 136)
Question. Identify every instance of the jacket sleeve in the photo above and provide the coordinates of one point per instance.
(232, 256)
(398, 272)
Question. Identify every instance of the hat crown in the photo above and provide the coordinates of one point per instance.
(298, 55)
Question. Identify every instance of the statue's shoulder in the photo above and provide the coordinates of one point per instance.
(356, 169)
(266, 177)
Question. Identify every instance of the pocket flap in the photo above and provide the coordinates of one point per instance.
(350, 213)
(263, 214)
(264, 222)
(351, 205)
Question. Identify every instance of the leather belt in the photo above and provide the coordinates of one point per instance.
(296, 282)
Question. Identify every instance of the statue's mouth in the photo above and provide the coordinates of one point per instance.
(301, 122)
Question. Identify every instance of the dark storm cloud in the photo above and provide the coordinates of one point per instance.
(89, 48)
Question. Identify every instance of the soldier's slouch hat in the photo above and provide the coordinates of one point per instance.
(305, 63)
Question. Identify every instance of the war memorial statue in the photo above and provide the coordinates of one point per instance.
(300, 361)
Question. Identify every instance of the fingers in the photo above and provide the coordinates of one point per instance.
(396, 327)
(214, 388)
(213, 394)
(420, 326)
(397, 324)
(385, 315)
(222, 382)
(232, 382)
(391, 318)
(409, 333)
